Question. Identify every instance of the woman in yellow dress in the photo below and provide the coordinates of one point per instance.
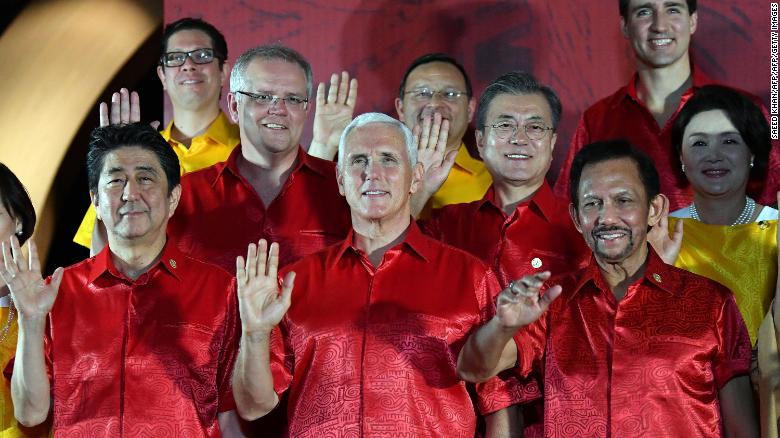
(723, 139)
(17, 217)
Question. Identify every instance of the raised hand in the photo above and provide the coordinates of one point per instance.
(521, 304)
(333, 114)
(262, 304)
(32, 297)
(431, 139)
(667, 247)
(125, 108)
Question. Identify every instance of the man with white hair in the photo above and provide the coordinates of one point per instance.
(366, 341)
(269, 187)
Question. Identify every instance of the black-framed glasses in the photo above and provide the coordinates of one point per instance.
(427, 94)
(198, 56)
(266, 100)
(533, 130)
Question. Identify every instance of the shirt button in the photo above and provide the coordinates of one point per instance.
(657, 278)
(536, 263)
(763, 225)
(172, 262)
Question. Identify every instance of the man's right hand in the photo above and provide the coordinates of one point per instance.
(520, 303)
(332, 115)
(262, 303)
(125, 108)
(32, 296)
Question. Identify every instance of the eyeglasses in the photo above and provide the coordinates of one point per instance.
(533, 130)
(266, 100)
(426, 94)
(198, 56)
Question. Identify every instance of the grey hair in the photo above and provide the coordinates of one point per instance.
(271, 52)
(367, 118)
(517, 83)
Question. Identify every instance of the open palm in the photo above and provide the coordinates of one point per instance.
(32, 296)
(262, 303)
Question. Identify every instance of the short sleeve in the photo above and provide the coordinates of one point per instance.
(229, 351)
(734, 350)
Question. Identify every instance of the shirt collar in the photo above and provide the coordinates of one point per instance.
(699, 80)
(544, 200)
(657, 273)
(170, 260)
(221, 131)
(418, 244)
(464, 160)
(303, 160)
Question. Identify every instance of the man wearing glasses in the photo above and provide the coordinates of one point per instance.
(192, 70)
(269, 187)
(437, 84)
(523, 228)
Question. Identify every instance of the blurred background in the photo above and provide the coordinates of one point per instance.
(60, 58)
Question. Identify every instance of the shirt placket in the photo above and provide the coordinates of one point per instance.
(371, 271)
(133, 320)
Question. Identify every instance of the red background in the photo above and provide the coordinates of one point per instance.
(575, 46)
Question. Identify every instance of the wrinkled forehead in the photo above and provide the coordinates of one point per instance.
(436, 74)
(375, 137)
(610, 177)
(130, 159)
(275, 75)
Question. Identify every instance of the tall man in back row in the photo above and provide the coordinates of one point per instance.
(630, 346)
(643, 112)
(193, 67)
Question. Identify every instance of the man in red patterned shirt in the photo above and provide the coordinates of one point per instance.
(366, 342)
(269, 187)
(630, 346)
(643, 112)
(138, 339)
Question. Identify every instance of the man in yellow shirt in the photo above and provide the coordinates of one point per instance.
(192, 70)
(436, 83)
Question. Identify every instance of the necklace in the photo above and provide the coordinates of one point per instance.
(7, 326)
(742, 219)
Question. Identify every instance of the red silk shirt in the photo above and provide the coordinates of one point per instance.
(650, 365)
(220, 213)
(623, 115)
(152, 356)
(372, 352)
(538, 236)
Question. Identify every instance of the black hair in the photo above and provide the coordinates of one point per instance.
(218, 43)
(434, 57)
(623, 7)
(17, 202)
(601, 151)
(109, 138)
(743, 113)
(517, 83)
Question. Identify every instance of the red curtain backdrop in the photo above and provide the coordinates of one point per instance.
(575, 46)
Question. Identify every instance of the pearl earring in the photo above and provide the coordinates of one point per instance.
(751, 161)
(683, 168)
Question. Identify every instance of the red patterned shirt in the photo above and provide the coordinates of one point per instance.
(623, 115)
(649, 365)
(370, 351)
(220, 213)
(151, 356)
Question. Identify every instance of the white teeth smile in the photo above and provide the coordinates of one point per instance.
(190, 82)
(274, 126)
(661, 42)
(517, 156)
(374, 192)
(610, 236)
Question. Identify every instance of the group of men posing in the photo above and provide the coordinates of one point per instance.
(331, 297)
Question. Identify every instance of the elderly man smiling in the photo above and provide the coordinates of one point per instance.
(365, 342)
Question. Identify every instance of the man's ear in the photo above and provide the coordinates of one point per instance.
(694, 22)
(340, 181)
(224, 75)
(575, 218)
(93, 198)
(399, 108)
(624, 27)
(161, 75)
(233, 107)
(418, 172)
(480, 138)
(472, 108)
(659, 207)
(173, 200)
